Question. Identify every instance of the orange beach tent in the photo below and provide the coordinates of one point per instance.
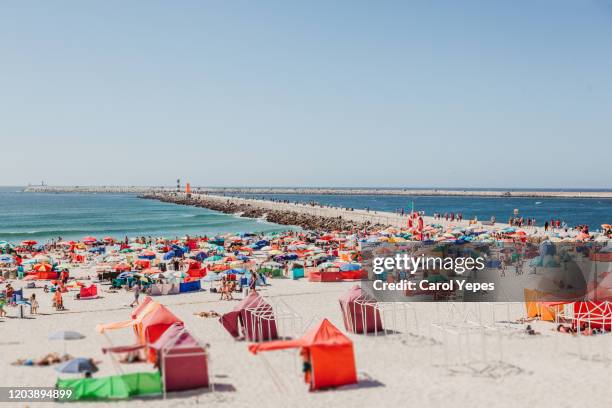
(150, 320)
(329, 352)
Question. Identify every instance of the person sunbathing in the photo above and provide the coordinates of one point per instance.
(566, 329)
(46, 360)
(211, 313)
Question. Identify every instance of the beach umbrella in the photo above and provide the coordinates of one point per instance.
(147, 255)
(6, 244)
(43, 267)
(212, 276)
(28, 242)
(326, 265)
(65, 335)
(350, 267)
(122, 267)
(201, 256)
(77, 366)
(6, 259)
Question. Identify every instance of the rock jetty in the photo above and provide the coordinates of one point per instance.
(253, 210)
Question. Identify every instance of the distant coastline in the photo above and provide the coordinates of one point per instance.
(587, 193)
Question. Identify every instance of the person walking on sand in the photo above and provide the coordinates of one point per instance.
(253, 283)
(136, 289)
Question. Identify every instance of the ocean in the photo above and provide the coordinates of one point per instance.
(41, 216)
(574, 211)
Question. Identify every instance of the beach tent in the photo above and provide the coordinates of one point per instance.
(359, 312)
(149, 321)
(114, 387)
(593, 315)
(245, 315)
(158, 289)
(326, 349)
(141, 307)
(90, 292)
(192, 286)
(154, 325)
(546, 311)
(183, 361)
(169, 255)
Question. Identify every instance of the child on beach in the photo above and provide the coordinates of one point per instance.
(33, 304)
(2, 303)
(58, 302)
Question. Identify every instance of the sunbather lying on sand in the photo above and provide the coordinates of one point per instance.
(47, 360)
(211, 313)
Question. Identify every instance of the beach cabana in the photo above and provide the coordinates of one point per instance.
(326, 350)
(359, 312)
(242, 319)
(592, 315)
(182, 359)
(150, 320)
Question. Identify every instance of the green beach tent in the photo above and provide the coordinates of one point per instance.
(113, 387)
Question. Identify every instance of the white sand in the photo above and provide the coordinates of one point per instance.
(537, 371)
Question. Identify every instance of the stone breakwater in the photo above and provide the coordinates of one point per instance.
(278, 213)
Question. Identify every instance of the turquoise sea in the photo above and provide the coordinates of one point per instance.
(41, 216)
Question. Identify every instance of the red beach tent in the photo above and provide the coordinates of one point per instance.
(328, 351)
(359, 312)
(182, 359)
(252, 328)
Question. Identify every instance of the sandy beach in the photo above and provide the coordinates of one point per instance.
(396, 369)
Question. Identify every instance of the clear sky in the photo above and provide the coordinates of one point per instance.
(315, 93)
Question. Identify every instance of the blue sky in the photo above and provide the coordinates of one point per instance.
(273, 93)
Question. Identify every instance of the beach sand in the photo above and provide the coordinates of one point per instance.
(550, 369)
